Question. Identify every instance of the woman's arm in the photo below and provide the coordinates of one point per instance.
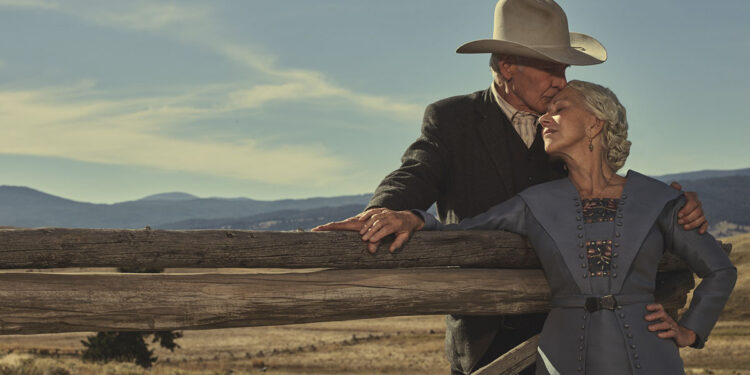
(709, 261)
(379, 223)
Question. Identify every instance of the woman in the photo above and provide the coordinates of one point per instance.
(599, 237)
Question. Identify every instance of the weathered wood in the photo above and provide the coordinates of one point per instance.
(63, 248)
(514, 361)
(46, 302)
(51, 302)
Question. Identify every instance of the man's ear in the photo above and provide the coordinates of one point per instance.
(507, 68)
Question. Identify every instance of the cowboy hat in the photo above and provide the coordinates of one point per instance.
(537, 29)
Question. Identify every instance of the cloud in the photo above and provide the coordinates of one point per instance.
(74, 122)
(38, 123)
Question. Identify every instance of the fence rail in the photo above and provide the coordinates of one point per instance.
(436, 273)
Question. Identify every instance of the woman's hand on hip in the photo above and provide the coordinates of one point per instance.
(669, 328)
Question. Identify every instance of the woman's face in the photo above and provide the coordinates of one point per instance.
(565, 123)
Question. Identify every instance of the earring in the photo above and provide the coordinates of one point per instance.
(591, 144)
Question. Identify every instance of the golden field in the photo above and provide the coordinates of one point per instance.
(401, 345)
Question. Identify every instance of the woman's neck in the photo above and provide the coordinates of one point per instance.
(593, 178)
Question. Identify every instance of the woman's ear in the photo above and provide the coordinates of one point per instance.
(594, 129)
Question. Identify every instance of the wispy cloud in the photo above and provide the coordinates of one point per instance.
(37, 123)
(73, 122)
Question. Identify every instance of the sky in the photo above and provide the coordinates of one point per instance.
(108, 101)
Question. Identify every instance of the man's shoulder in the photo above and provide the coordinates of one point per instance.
(467, 100)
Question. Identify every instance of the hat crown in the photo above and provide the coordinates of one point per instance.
(531, 23)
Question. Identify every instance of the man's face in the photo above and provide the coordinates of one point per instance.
(535, 82)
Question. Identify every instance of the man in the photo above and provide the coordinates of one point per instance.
(481, 149)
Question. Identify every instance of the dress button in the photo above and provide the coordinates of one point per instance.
(626, 326)
(580, 338)
(622, 316)
(580, 244)
(635, 355)
(617, 244)
(578, 218)
(580, 227)
(583, 326)
(632, 346)
(583, 265)
(585, 275)
(614, 275)
(580, 235)
(580, 256)
(617, 234)
(638, 366)
(630, 335)
(619, 307)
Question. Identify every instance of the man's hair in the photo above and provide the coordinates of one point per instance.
(603, 103)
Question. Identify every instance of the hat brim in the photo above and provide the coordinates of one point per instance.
(583, 50)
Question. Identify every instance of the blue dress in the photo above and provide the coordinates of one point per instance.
(606, 252)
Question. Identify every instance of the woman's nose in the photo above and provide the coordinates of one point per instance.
(545, 120)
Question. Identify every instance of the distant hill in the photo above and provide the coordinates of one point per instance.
(698, 175)
(25, 207)
(725, 199)
(276, 220)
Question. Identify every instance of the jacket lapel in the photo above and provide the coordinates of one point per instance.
(492, 130)
(642, 201)
(555, 205)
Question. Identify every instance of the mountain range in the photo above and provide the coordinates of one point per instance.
(725, 196)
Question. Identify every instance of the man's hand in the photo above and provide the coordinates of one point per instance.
(691, 215)
(669, 328)
(353, 223)
(382, 222)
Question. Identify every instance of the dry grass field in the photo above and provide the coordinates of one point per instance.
(401, 345)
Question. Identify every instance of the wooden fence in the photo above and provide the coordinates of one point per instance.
(466, 272)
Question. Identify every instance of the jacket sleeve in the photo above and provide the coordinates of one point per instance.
(420, 179)
(709, 261)
(509, 215)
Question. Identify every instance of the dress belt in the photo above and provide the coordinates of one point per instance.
(595, 303)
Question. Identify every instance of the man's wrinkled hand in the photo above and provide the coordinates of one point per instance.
(382, 222)
(691, 215)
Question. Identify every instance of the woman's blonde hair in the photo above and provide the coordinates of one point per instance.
(603, 103)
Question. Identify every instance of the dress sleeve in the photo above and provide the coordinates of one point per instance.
(509, 215)
(417, 183)
(709, 261)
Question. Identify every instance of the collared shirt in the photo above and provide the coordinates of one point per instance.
(524, 122)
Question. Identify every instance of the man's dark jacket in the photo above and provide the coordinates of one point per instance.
(468, 159)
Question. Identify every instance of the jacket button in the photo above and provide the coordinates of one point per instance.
(580, 338)
(630, 335)
(614, 275)
(638, 366)
(580, 256)
(617, 244)
(626, 326)
(632, 346)
(580, 235)
(583, 265)
(617, 234)
(585, 275)
(622, 316)
(635, 355)
(580, 227)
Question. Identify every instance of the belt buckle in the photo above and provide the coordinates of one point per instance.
(608, 302)
(598, 303)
